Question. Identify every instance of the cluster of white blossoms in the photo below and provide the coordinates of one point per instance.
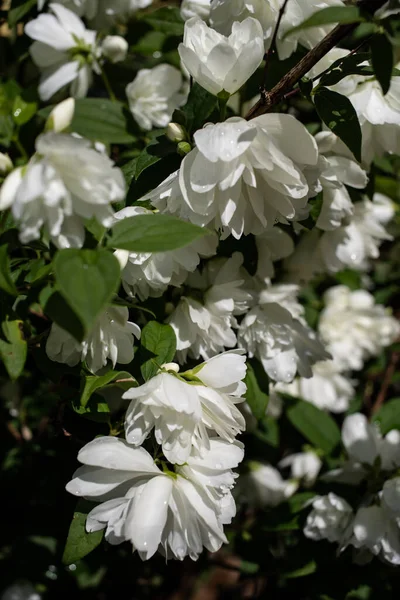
(167, 484)
(372, 527)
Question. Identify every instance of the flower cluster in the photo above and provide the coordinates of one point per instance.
(226, 261)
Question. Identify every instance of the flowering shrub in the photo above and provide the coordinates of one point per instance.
(199, 273)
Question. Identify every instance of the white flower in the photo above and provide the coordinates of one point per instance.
(195, 8)
(115, 48)
(376, 528)
(154, 94)
(225, 12)
(283, 344)
(111, 337)
(65, 183)
(242, 176)
(104, 13)
(147, 274)
(175, 513)
(354, 328)
(379, 117)
(330, 519)
(61, 116)
(220, 63)
(304, 466)
(358, 240)
(272, 245)
(328, 388)
(5, 164)
(364, 443)
(182, 412)
(64, 50)
(284, 294)
(335, 172)
(264, 486)
(204, 324)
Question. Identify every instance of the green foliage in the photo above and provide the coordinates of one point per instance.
(382, 60)
(87, 280)
(79, 543)
(13, 347)
(332, 14)
(100, 120)
(316, 426)
(153, 233)
(388, 416)
(6, 282)
(256, 399)
(199, 107)
(337, 112)
(166, 19)
(92, 383)
(157, 347)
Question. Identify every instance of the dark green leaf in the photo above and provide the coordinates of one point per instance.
(6, 130)
(100, 119)
(80, 543)
(167, 20)
(157, 346)
(87, 279)
(153, 233)
(13, 348)
(129, 170)
(256, 399)
(200, 105)
(59, 311)
(16, 14)
(6, 282)
(316, 426)
(306, 569)
(388, 416)
(382, 60)
(93, 383)
(337, 112)
(331, 14)
(306, 87)
(158, 148)
(268, 431)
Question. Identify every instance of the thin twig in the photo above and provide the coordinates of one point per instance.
(270, 99)
(387, 380)
(271, 49)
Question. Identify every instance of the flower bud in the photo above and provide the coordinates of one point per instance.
(175, 132)
(184, 148)
(122, 256)
(61, 116)
(5, 164)
(115, 48)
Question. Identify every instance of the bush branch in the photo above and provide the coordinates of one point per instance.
(270, 99)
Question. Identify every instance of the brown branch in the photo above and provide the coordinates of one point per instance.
(387, 380)
(270, 99)
(271, 49)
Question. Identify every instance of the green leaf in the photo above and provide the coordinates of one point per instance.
(337, 112)
(157, 149)
(23, 111)
(100, 119)
(268, 432)
(87, 279)
(13, 348)
(256, 399)
(16, 14)
(307, 569)
(382, 60)
(93, 383)
(388, 416)
(59, 311)
(200, 105)
(80, 543)
(167, 20)
(350, 65)
(316, 426)
(157, 346)
(331, 14)
(153, 233)
(6, 282)
(129, 170)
